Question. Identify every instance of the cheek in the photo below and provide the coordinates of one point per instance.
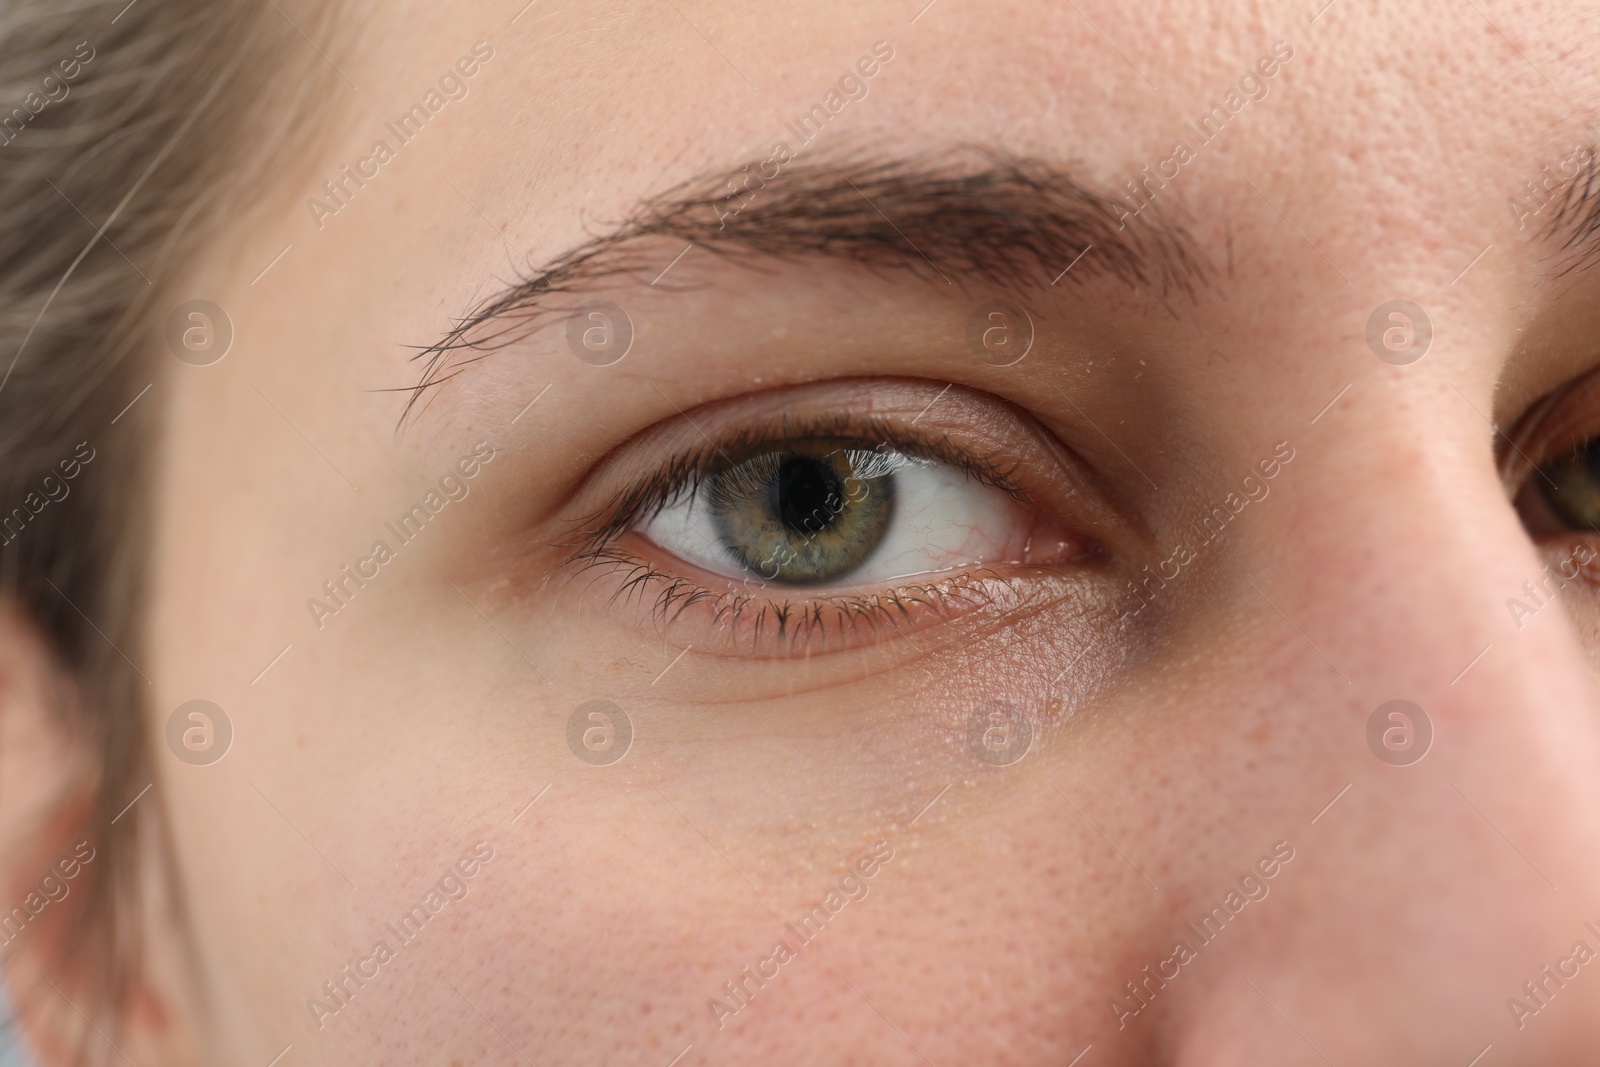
(687, 844)
(661, 843)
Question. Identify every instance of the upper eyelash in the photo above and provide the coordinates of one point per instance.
(687, 471)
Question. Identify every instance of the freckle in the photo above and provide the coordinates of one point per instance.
(301, 741)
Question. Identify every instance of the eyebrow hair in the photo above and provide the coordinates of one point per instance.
(954, 217)
(1574, 225)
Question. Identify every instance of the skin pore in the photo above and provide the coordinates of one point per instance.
(422, 728)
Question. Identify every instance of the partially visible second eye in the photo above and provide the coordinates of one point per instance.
(814, 512)
(1570, 486)
(1552, 455)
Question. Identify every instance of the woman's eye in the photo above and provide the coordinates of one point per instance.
(819, 512)
(1570, 487)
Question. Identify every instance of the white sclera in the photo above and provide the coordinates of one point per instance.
(942, 520)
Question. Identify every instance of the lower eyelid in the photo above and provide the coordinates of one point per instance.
(721, 615)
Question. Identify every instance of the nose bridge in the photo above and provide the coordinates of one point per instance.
(1464, 846)
(1394, 551)
(1411, 578)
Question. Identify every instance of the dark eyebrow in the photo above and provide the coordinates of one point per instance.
(1574, 225)
(952, 218)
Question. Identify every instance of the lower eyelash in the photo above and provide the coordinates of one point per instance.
(790, 624)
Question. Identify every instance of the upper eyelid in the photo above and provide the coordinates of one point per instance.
(1526, 448)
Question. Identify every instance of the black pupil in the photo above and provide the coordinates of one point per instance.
(808, 494)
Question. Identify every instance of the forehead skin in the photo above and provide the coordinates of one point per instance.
(425, 717)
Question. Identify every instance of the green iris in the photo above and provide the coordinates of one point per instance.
(807, 514)
(1571, 486)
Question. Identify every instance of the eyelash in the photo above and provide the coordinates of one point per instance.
(596, 536)
(787, 620)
